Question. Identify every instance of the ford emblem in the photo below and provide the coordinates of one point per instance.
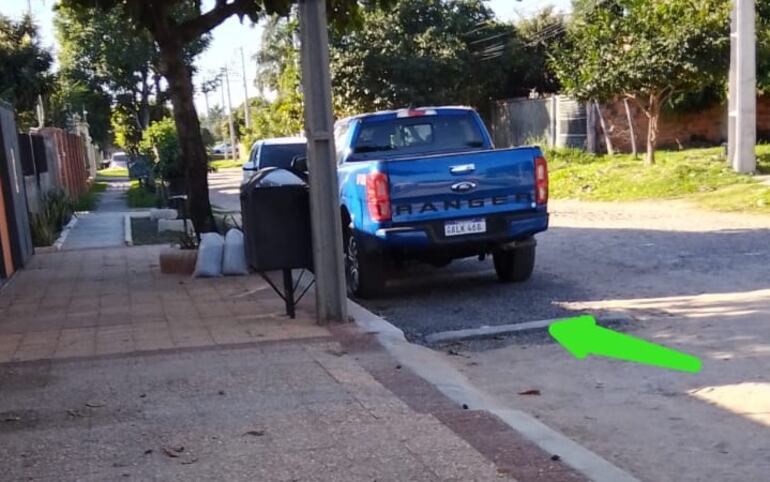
(465, 186)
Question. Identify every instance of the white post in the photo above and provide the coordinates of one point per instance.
(743, 88)
(554, 121)
(246, 113)
(230, 115)
(331, 295)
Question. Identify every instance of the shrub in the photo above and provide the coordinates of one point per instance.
(160, 142)
(55, 211)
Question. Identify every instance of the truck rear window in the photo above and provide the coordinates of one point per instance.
(418, 135)
(280, 155)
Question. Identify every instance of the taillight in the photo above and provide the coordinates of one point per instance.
(541, 180)
(378, 196)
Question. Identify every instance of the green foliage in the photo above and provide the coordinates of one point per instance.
(55, 211)
(140, 196)
(75, 94)
(126, 129)
(643, 48)
(175, 24)
(426, 52)
(279, 71)
(541, 34)
(112, 172)
(225, 164)
(160, 143)
(698, 175)
(25, 68)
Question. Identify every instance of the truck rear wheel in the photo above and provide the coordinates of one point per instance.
(364, 271)
(515, 265)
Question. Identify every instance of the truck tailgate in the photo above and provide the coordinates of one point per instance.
(464, 185)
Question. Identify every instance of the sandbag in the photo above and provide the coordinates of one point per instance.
(210, 252)
(234, 259)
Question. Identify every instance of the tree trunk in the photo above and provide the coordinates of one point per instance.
(144, 103)
(193, 152)
(653, 114)
(607, 140)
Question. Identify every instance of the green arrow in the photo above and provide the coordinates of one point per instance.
(582, 337)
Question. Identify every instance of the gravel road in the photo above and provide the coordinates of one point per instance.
(593, 251)
(698, 282)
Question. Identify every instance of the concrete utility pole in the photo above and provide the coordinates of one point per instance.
(205, 90)
(230, 115)
(742, 122)
(246, 113)
(331, 294)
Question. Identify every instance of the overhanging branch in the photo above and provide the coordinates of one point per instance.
(194, 28)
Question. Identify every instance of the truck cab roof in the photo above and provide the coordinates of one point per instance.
(408, 112)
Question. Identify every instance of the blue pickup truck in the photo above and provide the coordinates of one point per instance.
(427, 184)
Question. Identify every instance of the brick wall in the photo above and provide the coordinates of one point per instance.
(676, 130)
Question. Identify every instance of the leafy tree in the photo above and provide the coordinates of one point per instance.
(125, 128)
(278, 61)
(25, 74)
(173, 25)
(541, 33)
(645, 50)
(160, 143)
(426, 52)
(75, 94)
(105, 49)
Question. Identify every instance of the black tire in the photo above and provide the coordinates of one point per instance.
(364, 271)
(515, 265)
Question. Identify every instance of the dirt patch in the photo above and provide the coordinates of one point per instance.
(145, 231)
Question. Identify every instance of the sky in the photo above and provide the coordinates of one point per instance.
(231, 36)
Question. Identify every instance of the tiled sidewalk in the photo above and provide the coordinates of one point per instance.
(112, 371)
(96, 302)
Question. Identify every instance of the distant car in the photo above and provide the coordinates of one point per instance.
(278, 152)
(119, 159)
(223, 149)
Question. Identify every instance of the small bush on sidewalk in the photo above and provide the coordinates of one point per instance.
(55, 212)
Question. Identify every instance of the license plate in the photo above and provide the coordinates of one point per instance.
(467, 226)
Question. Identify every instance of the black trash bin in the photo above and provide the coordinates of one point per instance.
(275, 210)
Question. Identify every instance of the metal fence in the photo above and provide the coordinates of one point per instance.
(556, 121)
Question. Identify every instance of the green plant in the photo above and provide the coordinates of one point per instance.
(55, 211)
(113, 172)
(140, 196)
(160, 142)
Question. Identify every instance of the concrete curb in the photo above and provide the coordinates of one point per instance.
(64, 233)
(127, 233)
(489, 331)
(436, 370)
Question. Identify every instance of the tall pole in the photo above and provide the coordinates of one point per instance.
(230, 115)
(205, 89)
(331, 295)
(742, 124)
(224, 105)
(246, 113)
